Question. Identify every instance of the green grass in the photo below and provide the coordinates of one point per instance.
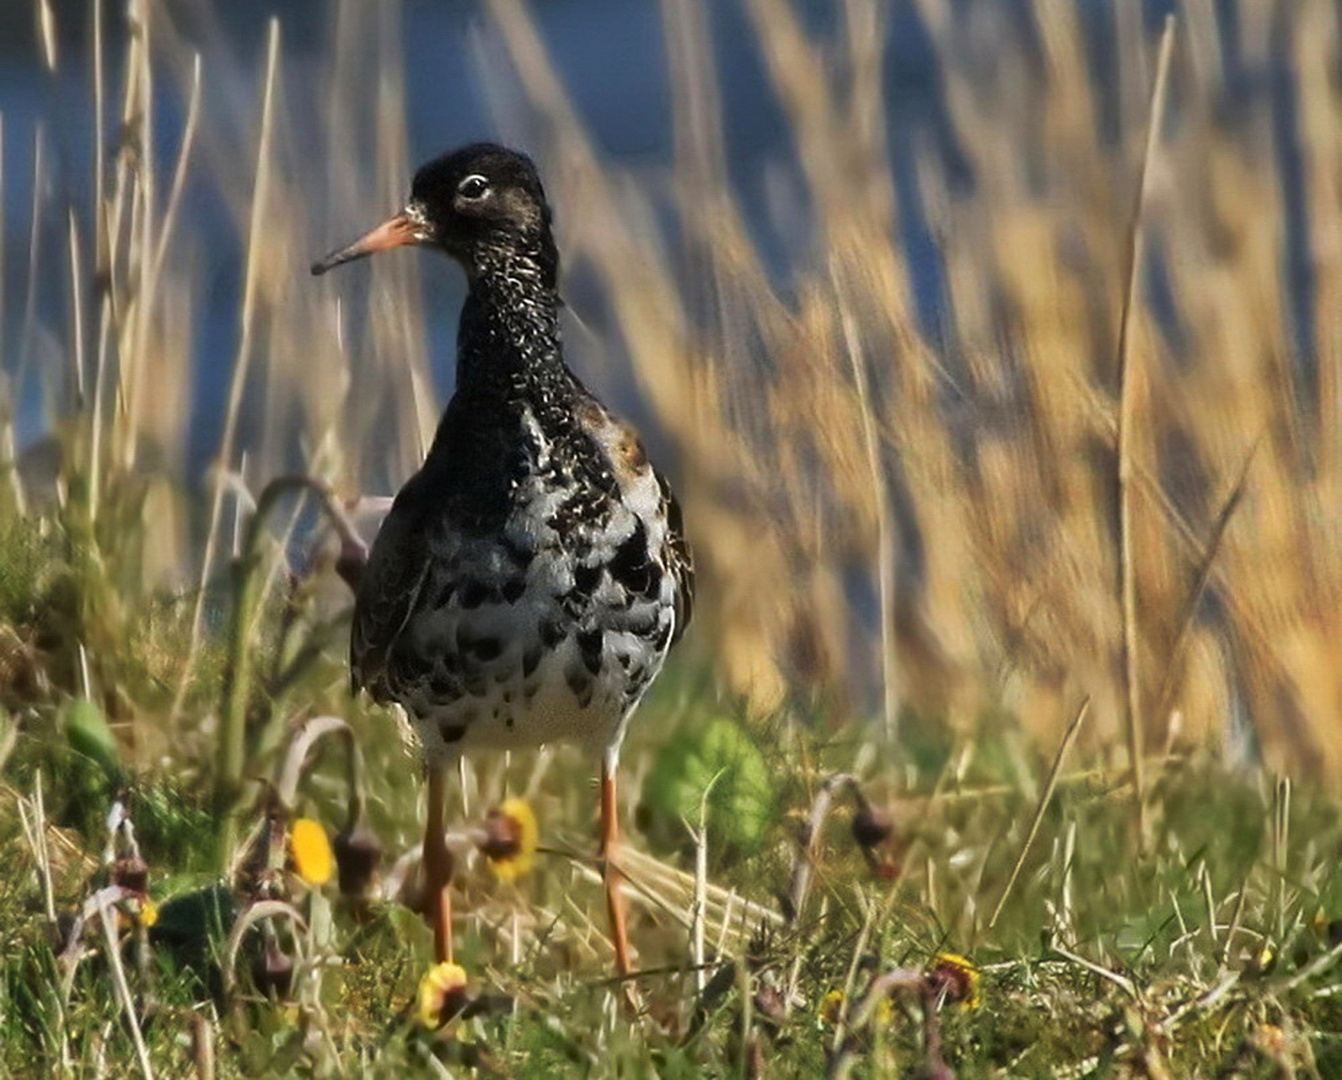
(1206, 954)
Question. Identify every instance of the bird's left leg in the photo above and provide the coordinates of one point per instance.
(610, 873)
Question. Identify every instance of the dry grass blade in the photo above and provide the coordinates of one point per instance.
(1050, 783)
(1128, 394)
(1121, 981)
(672, 891)
(35, 832)
(803, 866)
(1201, 581)
(886, 568)
(108, 918)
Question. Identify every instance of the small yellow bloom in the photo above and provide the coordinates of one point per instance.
(831, 1006)
(310, 852)
(442, 994)
(148, 913)
(127, 915)
(831, 1009)
(1263, 961)
(958, 978)
(511, 838)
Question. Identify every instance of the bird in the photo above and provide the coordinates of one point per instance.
(531, 577)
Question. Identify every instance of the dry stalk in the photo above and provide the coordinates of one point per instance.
(804, 865)
(1128, 394)
(1050, 783)
(202, 1045)
(1166, 696)
(108, 919)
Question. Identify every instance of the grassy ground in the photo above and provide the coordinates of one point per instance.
(1210, 953)
(1092, 516)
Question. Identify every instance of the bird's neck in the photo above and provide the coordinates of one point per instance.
(508, 341)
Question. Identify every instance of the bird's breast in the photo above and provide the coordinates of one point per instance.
(549, 627)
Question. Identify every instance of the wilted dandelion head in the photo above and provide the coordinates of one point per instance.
(442, 994)
(358, 854)
(510, 839)
(830, 1007)
(131, 872)
(872, 825)
(955, 978)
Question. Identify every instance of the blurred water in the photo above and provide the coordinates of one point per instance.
(611, 57)
(610, 54)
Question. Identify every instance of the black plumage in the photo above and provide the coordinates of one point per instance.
(532, 576)
(536, 550)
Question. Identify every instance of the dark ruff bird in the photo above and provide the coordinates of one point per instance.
(533, 574)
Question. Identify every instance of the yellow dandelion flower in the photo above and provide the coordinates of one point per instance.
(510, 839)
(957, 977)
(1263, 961)
(442, 994)
(831, 1008)
(310, 852)
(133, 910)
(148, 913)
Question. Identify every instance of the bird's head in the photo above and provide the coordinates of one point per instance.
(477, 204)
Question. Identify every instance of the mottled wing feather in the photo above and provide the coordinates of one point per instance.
(679, 560)
(629, 458)
(388, 593)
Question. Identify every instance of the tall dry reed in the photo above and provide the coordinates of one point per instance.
(887, 520)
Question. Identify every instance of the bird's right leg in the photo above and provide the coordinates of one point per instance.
(610, 872)
(438, 865)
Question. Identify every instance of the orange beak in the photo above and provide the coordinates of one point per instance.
(392, 233)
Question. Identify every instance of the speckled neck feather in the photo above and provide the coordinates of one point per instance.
(508, 340)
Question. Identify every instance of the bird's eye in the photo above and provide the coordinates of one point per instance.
(473, 187)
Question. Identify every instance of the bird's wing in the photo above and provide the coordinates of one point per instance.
(389, 590)
(648, 495)
(678, 559)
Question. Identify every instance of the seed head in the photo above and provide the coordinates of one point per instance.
(872, 825)
(358, 855)
(132, 873)
(273, 971)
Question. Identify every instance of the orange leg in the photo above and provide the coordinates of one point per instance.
(438, 865)
(610, 835)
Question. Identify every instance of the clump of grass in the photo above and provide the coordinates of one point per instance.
(1214, 949)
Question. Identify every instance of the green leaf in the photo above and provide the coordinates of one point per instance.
(719, 757)
(89, 734)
